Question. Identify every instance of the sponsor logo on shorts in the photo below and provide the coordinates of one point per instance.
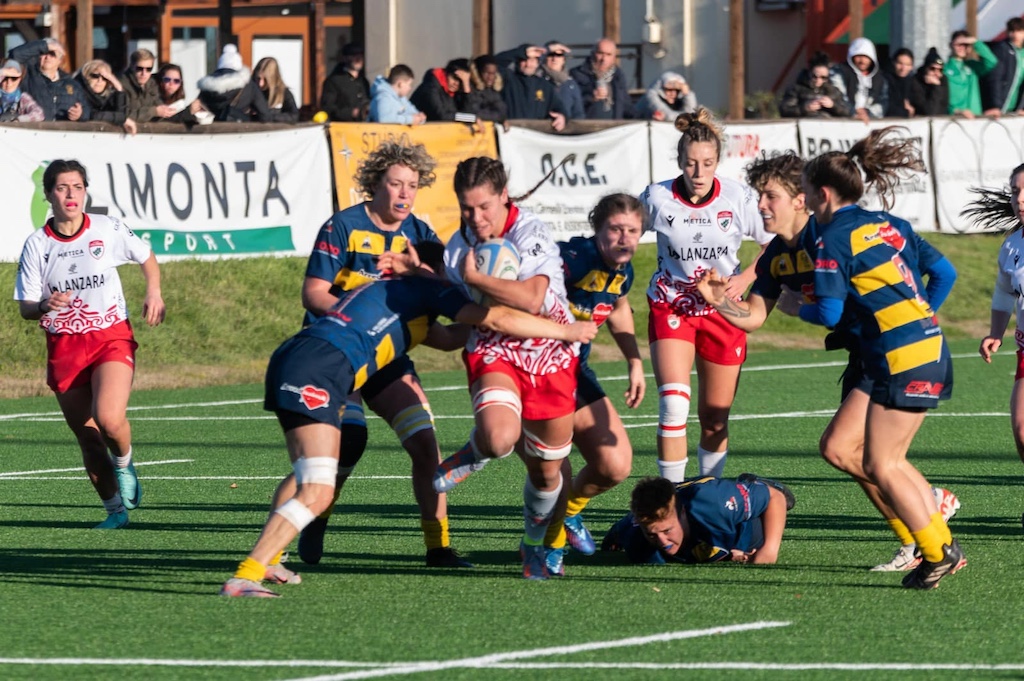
(673, 322)
(925, 389)
(311, 396)
(96, 249)
(490, 359)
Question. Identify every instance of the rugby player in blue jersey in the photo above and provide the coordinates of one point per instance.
(861, 268)
(785, 278)
(313, 372)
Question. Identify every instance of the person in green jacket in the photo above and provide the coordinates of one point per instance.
(963, 72)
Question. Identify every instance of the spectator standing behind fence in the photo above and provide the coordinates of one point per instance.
(602, 84)
(568, 90)
(969, 60)
(230, 94)
(279, 98)
(814, 95)
(859, 79)
(389, 98)
(929, 91)
(346, 94)
(486, 99)
(900, 75)
(54, 89)
(16, 105)
(1003, 87)
(171, 87)
(105, 94)
(444, 92)
(141, 91)
(667, 97)
(527, 95)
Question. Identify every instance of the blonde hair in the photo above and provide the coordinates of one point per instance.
(699, 126)
(271, 73)
(371, 170)
(92, 66)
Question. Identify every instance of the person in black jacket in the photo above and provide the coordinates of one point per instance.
(527, 95)
(230, 94)
(444, 92)
(859, 79)
(1002, 90)
(603, 84)
(486, 100)
(929, 90)
(346, 94)
(900, 77)
(60, 95)
(280, 100)
(813, 95)
(105, 94)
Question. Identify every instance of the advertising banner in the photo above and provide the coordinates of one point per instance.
(212, 195)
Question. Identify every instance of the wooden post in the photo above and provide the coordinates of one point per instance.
(164, 34)
(972, 17)
(83, 33)
(737, 59)
(224, 28)
(612, 21)
(317, 54)
(856, 19)
(481, 27)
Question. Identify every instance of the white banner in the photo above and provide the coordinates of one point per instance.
(975, 153)
(914, 197)
(194, 195)
(743, 143)
(613, 160)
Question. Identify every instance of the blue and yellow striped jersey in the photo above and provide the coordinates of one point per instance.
(592, 286)
(872, 261)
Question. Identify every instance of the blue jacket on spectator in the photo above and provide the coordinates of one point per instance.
(622, 106)
(387, 107)
(54, 96)
(996, 86)
(527, 97)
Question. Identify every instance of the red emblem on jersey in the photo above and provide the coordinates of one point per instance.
(96, 249)
(313, 397)
(892, 236)
(601, 312)
(724, 219)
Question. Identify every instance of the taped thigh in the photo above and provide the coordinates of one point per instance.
(412, 420)
(316, 470)
(535, 447)
(296, 513)
(497, 397)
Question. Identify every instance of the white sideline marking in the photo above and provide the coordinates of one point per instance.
(485, 660)
(150, 662)
(750, 666)
(79, 469)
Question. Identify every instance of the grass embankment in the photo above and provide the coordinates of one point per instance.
(225, 318)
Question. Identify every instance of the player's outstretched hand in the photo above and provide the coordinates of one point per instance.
(582, 332)
(713, 287)
(153, 309)
(400, 264)
(988, 347)
(637, 385)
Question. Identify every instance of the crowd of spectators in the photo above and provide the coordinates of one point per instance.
(526, 82)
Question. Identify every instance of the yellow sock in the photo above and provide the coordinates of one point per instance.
(901, 531)
(555, 536)
(250, 569)
(947, 536)
(929, 543)
(276, 560)
(576, 505)
(435, 533)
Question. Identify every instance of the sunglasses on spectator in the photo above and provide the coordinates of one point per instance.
(95, 76)
(51, 53)
(937, 69)
(673, 89)
(961, 44)
(147, 69)
(168, 79)
(14, 79)
(815, 76)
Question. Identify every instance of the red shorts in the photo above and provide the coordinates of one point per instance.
(714, 339)
(544, 397)
(71, 357)
(1020, 365)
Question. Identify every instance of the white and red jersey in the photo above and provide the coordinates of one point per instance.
(1010, 278)
(694, 238)
(84, 264)
(539, 256)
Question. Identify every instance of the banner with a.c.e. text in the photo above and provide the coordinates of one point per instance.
(613, 160)
(447, 143)
(195, 195)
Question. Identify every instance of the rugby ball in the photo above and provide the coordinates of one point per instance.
(496, 258)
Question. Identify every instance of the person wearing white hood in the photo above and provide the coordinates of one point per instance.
(230, 94)
(667, 97)
(861, 81)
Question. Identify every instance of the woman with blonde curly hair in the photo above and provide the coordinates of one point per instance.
(357, 246)
(700, 220)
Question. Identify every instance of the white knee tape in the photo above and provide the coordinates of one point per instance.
(673, 408)
(497, 397)
(536, 448)
(316, 470)
(353, 414)
(412, 420)
(296, 512)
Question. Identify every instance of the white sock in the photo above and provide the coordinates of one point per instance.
(537, 509)
(114, 504)
(672, 470)
(123, 461)
(711, 463)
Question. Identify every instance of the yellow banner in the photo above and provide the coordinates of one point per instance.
(448, 143)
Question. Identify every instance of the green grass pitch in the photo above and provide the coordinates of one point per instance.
(79, 604)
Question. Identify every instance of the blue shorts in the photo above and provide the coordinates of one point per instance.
(588, 390)
(309, 377)
(393, 371)
(922, 387)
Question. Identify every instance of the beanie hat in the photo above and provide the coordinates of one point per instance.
(933, 58)
(230, 59)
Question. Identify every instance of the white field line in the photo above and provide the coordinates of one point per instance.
(758, 666)
(150, 662)
(485, 660)
(79, 469)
